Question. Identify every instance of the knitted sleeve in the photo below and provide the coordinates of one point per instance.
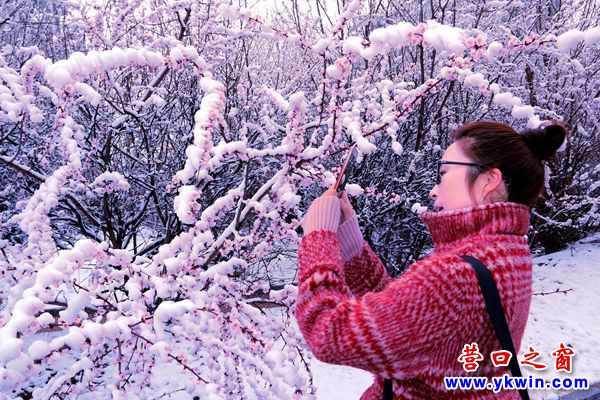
(363, 270)
(323, 213)
(351, 240)
(389, 332)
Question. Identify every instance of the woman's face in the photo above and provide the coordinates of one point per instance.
(453, 193)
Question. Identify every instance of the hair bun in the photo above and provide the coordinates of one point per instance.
(544, 142)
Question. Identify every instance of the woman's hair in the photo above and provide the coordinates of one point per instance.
(518, 156)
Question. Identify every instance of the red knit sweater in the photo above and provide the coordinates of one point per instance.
(413, 328)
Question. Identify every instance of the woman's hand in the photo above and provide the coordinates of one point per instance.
(345, 206)
(347, 210)
(330, 192)
(323, 213)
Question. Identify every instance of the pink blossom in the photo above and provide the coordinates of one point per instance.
(481, 40)
(513, 41)
(182, 358)
(483, 87)
(476, 54)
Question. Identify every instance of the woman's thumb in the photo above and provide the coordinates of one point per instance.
(344, 197)
(345, 202)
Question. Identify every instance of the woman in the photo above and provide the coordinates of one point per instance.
(413, 329)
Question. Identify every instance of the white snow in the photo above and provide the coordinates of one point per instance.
(167, 310)
(418, 208)
(447, 72)
(322, 45)
(494, 50)
(74, 339)
(110, 181)
(59, 77)
(298, 102)
(379, 39)
(474, 79)
(444, 37)
(397, 148)
(354, 189)
(39, 349)
(495, 88)
(534, 122)
(592, 36)
(75, 304)
(10, 349)
(176, 54)
(333, 71)
(353, 45)
(505, 99)
(224, 148)
(185, 204)
(522, 111)
(439, 36)
(210, 112)
(276, 98)
(155, 100)
(229, 11)
(569, 40)
(401, 34)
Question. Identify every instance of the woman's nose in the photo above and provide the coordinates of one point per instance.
(433, 193)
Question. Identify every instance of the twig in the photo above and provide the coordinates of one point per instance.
(556, 291)
(173, 357)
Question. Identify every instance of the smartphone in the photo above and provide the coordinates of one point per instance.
(346, 170)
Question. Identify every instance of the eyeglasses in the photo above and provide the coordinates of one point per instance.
(438, 177)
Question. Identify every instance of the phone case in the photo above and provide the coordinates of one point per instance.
(349, 161)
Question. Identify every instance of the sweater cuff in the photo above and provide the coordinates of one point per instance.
(351, 240)
(324, 213)
(318, 253)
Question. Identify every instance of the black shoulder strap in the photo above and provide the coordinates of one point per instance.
(388, 390)
(496, 312)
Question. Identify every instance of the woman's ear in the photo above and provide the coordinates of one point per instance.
(493, 179)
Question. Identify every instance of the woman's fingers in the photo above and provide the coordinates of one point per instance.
(344, 199)
(346, 207)
(330, 192)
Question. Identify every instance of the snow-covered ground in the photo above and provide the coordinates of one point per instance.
(571, 318)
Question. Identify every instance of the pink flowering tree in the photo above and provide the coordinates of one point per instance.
(156, 160)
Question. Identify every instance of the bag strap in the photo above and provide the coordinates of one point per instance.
(497, 316)
(388, 391)
(496, 312)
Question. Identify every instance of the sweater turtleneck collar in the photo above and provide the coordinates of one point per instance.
(492, 218)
